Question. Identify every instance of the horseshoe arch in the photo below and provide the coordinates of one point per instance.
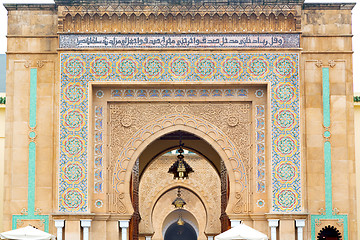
(237, 169)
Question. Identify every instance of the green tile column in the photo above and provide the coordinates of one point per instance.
(329, 213)
(31, 214)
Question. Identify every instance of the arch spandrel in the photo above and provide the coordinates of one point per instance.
(237, 169)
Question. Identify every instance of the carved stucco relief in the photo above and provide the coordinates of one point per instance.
(227, 123)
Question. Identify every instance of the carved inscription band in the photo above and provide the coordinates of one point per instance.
(179, 41)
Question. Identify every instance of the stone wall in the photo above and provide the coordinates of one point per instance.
(327, 57)
(32, 60)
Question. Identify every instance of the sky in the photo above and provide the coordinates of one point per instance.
(356, 31)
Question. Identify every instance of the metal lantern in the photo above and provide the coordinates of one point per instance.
(179, 202)
(180, 221)
(180, 168)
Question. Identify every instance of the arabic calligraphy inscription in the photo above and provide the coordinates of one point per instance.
(180, 41)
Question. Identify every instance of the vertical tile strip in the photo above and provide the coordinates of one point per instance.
(31, 214)
(327, 144)
(329, 213)
(32, 145)
(260, 148)
(328, 183)
(33, 97)
(326, 97)
(98, 150)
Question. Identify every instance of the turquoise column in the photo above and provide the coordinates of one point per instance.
(329, 213)
(327, 144)
(31, 214)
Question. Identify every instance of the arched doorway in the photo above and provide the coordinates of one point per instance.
(137, 141)
(133, 145)
(329, 233)
(158, 189)
(180, 232)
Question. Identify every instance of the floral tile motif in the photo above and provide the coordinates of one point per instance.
(260, 148)
(280, 70)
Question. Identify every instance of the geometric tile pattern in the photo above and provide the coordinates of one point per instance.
(260, 148)
(280, 70)
(176, 93)
(98, 149)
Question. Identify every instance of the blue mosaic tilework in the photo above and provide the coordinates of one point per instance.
(187, 93)
(280, 70)
(98, 148)
(260, 147)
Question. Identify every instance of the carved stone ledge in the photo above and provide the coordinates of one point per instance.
(174, 18)
(175, 2)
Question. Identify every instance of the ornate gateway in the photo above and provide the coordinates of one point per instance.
(255, 95)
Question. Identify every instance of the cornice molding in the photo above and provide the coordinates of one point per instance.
(34, 7)
(176, 9)
(329, 6)
(174, 2)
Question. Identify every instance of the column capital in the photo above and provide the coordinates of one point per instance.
(147, 237)
(300, 222)
(273, 222)
(59, 223)
(85, 223)
(124, 223)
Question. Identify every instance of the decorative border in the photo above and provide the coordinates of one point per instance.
(158, 93)
(260, 148)
(280, 70)
(154, 94)
(98, 149)
(126, 41)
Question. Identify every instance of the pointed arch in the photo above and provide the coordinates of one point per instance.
(225, 23)
(281, 22)
(171, 187)
(272, 22)
(68, 23)
(244, 22)
(86, 23)
(291, 22)
(252, 22)
(106, 23)
(262, 19)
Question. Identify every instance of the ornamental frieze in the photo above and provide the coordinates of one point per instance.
(179, 19)
(179, 41)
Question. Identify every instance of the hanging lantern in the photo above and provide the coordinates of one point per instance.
(180, 221)
(179, 202)
(180, 168)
